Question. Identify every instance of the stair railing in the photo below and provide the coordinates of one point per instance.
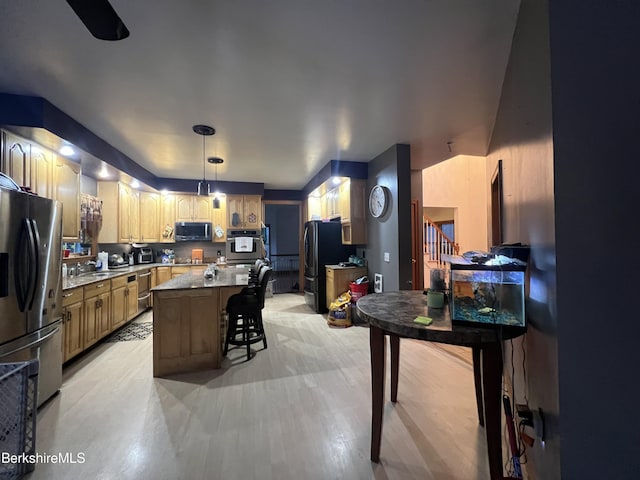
(437, 243)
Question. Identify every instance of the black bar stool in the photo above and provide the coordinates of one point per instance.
(245, 315)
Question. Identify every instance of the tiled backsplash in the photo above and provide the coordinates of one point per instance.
(182, 250)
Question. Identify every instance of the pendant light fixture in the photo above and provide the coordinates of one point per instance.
(216, 199)
(205, 131)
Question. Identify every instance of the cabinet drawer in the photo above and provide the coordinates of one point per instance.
(119, 282)
(97, 288)
(72, 296)
(179, 270)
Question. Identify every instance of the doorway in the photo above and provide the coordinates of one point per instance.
(282, 244)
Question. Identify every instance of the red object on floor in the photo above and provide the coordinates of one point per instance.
(358, 290)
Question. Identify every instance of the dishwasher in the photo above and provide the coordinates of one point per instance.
(144, 290)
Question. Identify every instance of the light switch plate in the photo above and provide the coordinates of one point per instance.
(377, 283)
(386, 256)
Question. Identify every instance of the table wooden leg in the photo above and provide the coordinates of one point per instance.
(377, 347)
(492, 385)
(394, 342)
(477, 380)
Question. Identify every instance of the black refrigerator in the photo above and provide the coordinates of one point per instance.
(322, 246)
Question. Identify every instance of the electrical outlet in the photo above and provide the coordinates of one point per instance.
(377, 283)
(525, 414)
(533, 419)
(386, 256)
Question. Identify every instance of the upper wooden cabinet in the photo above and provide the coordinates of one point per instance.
(120, 213)
(149, 217)
(66, 180)
(42, 164)
(219, 221)
(28, 164)
(347, 201)
(353, 207)
(128, 214)
(16, 159)
(244, 211)
(46, 174)
(193, 208)
(167, 220)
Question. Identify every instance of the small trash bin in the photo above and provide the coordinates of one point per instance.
(358, 290)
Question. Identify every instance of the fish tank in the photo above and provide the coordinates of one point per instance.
(487, 294)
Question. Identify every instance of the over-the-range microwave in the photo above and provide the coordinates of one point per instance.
(193, 231)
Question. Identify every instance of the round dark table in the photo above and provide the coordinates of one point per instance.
(392, 314)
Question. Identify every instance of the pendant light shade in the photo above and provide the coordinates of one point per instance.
(216, 161)
(205, 131)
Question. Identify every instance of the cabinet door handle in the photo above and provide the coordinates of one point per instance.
(67, 295)
(100, 285)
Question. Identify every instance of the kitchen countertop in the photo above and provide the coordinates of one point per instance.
(88, 278)
(345, 267)
(227, 277)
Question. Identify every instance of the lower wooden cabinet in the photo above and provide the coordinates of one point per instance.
(97, 319)
(124, 301)
(118, 302)
(338, 279)
(72, 319)
(185, 339)
(163, 274)
(177, 271)
(97, 312)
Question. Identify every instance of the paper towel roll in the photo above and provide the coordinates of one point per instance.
(103, 261)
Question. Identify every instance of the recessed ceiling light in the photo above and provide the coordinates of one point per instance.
(67, 151)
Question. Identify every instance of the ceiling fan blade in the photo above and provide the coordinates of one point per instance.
(100, 18)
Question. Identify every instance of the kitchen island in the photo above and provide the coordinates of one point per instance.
(189, 320)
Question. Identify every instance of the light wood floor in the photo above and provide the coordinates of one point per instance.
(298, 410)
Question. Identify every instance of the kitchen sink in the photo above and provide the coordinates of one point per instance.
(94, 274)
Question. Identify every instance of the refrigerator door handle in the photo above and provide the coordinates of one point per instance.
(32, 344)
(34, 259)
(22, 265)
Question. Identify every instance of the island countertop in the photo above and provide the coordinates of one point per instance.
(226, 277)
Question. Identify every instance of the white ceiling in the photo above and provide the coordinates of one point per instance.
(288, 84)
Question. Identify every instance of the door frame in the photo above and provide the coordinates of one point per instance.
(301, 215)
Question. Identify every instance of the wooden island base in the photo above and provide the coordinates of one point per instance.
(188, 324)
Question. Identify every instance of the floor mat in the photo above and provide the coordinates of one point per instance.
(133, 331)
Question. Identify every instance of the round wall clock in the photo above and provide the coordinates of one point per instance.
(378, 201)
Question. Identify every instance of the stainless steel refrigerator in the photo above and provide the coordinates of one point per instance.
(30, 284)
(322, 246)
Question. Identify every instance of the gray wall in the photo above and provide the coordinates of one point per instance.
(392, 232)
(522, 139)
(596, 106)
(567, 133)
